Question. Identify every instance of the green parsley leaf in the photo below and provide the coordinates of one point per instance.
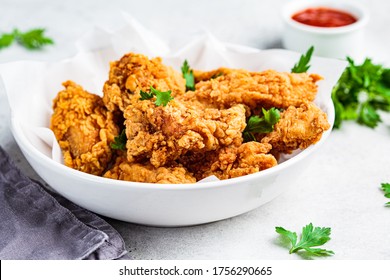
(361, 91)
(216, 75)
(145, 95)
(185, 68)
(120, 141)
(264, 124)
(248, 136)
(311, 237)
(33, 39)
(386, 190)
(6, 40)
(188, 75)
(292, 236)
(368, 115)
(303, 63)
(162, 97)
(386, 77)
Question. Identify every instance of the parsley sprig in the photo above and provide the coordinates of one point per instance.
(264, 124)
(162, 97)
(386, 190)
(216, 75)
(120, 141)
(188, 75)
(311, 237)
(33, 39)
(361, 92)
(303, 64)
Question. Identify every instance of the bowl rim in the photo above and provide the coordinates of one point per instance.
(348, 6)
(27, 147)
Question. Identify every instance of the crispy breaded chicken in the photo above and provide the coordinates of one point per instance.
(297, 128)
(83, 128)
(147, 173)
(213, 74)
(136, 72)
(193, 136)
(231, 161)
(257, 89)
(163, 134)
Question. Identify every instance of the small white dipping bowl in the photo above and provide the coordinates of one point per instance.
(335, 42)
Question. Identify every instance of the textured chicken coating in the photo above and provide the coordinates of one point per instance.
(197, 134)
(232, 161)
(213, 74)
(297, 128)
(83, 128)
(163, 134)
(147, 173)
(136, 72)
(257, 89)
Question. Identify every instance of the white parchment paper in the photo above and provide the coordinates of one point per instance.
(31, 85)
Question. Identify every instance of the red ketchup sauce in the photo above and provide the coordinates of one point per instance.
(324, 17)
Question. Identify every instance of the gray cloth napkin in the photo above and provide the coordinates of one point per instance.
(36, 224)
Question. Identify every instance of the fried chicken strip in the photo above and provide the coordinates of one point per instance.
(83, 128)
(297, 128)
(256, 89)
(232, 161)
(163, 134)
(147, 173)
(136, 72)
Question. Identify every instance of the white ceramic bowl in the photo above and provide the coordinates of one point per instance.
(336, 42)
(143, 203)
(168, 204)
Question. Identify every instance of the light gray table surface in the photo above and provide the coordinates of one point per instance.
(340, 189)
